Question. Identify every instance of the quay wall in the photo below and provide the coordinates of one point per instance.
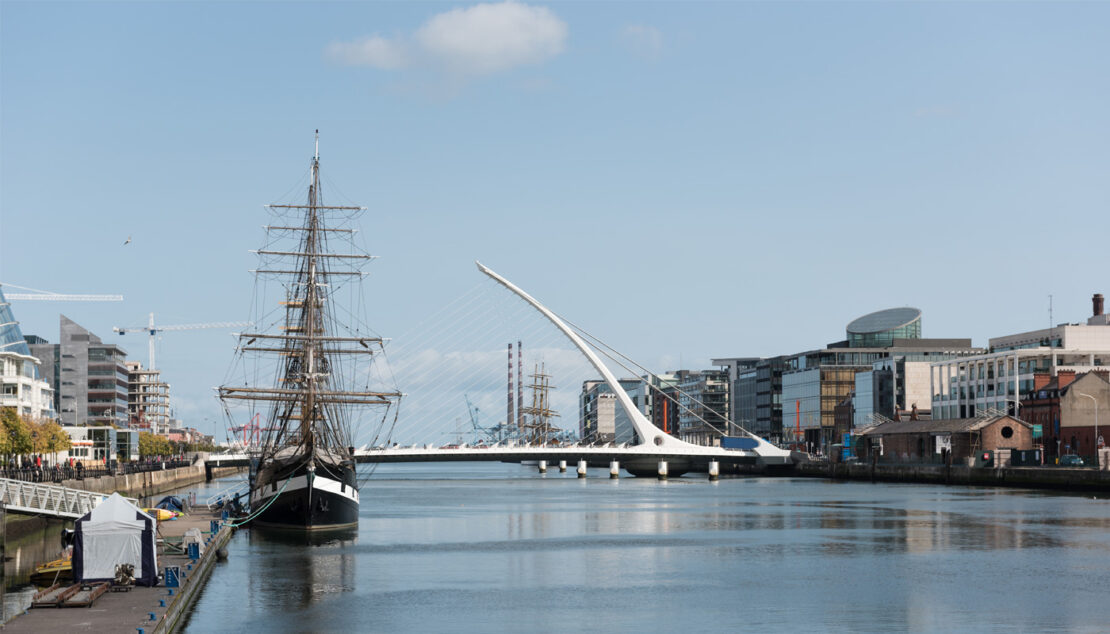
(152, 483)
(1058, 478)
(176, 616)
(143, 484)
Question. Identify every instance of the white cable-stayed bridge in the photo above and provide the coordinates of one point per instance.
(644, 450)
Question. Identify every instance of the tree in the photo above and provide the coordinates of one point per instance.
(15, 437)
(48, 437)
(153, 445)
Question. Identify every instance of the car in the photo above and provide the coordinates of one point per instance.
(1071, 461)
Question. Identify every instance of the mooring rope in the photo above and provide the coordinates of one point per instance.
(261, 510)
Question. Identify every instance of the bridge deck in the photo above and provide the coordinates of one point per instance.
(570, 453)
(48, 499)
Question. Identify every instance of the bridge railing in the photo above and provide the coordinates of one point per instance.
(48, 499)
(60, 473)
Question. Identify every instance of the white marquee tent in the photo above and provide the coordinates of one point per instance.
(115, 532)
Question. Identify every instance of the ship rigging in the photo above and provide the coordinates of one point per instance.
(320, 368)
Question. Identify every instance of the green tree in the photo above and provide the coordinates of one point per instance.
(53, 438)
(154, 445)
(15, 435)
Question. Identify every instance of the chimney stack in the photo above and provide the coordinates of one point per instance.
(1097, 301)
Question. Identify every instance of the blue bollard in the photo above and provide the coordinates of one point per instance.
(152, 617)
(141, 631)
(161, 603)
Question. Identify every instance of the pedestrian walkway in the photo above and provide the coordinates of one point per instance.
(48, 499)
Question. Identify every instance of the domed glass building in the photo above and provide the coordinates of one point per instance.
(881, 328)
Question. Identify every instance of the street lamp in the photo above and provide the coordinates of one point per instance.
(1095, 401)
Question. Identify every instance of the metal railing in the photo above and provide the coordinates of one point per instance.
(234, 491)
(59, 473)
(47, 499)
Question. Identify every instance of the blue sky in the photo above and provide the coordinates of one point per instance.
(686, 180)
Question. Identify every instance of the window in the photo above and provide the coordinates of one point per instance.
(1007, 432)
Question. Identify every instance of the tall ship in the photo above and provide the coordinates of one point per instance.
(307, 367)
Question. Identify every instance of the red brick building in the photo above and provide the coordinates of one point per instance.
(1064, 406)
(929, 441)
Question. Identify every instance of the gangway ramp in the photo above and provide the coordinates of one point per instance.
(50, 500)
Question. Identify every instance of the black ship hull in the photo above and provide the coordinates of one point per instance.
(321, 499)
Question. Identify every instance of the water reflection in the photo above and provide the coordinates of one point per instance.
(322, 562)
(496, 548)
(23, 553)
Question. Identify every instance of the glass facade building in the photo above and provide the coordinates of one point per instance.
(880, 329)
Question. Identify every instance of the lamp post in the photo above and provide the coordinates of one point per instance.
(1095, 401)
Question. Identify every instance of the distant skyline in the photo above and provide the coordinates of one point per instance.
(686, 180)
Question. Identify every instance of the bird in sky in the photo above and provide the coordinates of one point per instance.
(127, 241)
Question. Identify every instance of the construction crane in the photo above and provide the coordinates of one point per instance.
(154, 330)
(494, 434)
(57, 297)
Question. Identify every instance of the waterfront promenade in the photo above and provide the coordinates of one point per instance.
(132, 611)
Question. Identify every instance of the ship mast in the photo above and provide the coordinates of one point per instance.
(311, 344)
(307, 393)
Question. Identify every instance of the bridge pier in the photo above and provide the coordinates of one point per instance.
(662, 472)
(562, 466)
(581, 468)
(543, 466)
(614, 469)
(714, 470)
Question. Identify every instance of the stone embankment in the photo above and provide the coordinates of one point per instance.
(1058, 478)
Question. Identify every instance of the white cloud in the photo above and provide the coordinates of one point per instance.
(642, 41)
(375, 51)
(473, 41)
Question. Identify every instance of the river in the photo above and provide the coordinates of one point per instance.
(499, 548)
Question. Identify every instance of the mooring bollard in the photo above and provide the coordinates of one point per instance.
(152, 617)
(714, 470)
(662, 469)
(543, 466)
(581, 468)
(161, 603)
(614, 469)
(562, 466)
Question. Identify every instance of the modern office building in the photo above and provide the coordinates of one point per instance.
(601, 418)
(89, 377)
(148, 399)
(741, 403)
(21, 385)
(661, 400)
(815, 382)
(756, 395)
(703, 398)
(996, 380)
(879, 329)
(900, 382)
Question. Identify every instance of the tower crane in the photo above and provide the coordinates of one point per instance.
(57, 297)
(154, 330)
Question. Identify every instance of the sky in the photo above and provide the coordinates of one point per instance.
(685, 180)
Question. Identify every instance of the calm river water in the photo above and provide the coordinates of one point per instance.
(492, 547)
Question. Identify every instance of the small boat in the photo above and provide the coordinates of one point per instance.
(59, 570)
(162, 515)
